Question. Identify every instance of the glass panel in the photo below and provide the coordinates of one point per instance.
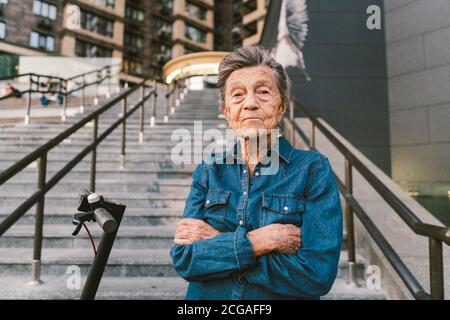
(50, 44)
(2, 30)
(34, 39)
(37, 7)
(52, 13)
(44, 9)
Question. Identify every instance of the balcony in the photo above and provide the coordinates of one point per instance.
(164, 33)
(45, 23)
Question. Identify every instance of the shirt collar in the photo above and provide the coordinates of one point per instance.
(284, 150)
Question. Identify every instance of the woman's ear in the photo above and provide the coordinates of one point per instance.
(225, 111)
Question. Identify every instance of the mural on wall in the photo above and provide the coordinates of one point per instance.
(292, 33)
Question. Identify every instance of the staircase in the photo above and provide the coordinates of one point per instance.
(152, 187)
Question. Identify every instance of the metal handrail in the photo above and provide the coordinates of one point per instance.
(40, 155)
(62, 87)
(436, 234)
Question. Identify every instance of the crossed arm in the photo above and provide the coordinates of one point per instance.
(271, 238)
(270, 255)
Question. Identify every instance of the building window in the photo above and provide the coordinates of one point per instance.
(93, 23)
(42, 41)
(194, 34)
(164, 6)
(3, 1)
(132, 66)
(133, 43)
(86, 49)
(2, 30)
(196, 11)
(44, 9)
(106, 3)
(134, 14)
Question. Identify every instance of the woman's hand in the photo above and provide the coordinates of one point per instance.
(284, 238)
(190, 230)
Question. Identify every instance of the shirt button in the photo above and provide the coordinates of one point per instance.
(241, 222)
(245, 171)
(245, 193)
(286, 208)
(207, 201)
(257, 174)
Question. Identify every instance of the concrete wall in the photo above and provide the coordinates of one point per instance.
(347, 63)
(418, 59)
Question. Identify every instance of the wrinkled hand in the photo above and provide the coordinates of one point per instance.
(284, 238)
(190, 230)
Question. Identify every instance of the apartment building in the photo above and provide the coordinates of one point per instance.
(145, 34)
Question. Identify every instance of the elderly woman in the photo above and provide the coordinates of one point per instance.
(247, 234)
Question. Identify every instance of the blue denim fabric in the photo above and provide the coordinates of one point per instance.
(303, 192)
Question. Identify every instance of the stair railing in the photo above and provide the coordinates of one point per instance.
(40, 155)
(436, 234)
(35, 86)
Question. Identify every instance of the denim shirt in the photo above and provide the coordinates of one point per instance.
(302, 192)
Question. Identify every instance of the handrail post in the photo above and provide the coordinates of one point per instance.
(182, 90)
(108, 75)
(166, 116)
(66, 98)
(436, 269)
(177, 93)
(172, 97)
(349, 225)
(141, 132)
(123, 142)
(94, 155)
(27, 117)
(83, 95)
(96, 88)
(155, 96)
(38, 224)
(313, 136)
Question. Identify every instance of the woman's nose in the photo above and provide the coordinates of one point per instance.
(250, 102)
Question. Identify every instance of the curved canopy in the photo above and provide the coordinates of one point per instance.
(193, 64)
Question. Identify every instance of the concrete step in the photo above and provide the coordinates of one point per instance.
(135, 200)
(111, 288)
(60, 236)
(132, 217)
(29, 185)
(144, 288)
(122, 262)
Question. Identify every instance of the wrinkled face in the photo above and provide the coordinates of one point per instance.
(252, 101)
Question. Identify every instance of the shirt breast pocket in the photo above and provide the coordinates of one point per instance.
(282, 208)
(216, 207)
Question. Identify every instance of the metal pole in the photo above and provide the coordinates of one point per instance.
(108, 70)
(27, 117)
(94, 155)
(38, 224)
(153, 117)
(66, 98)
(96, 88)
(122, 151)
(172, 98)
(166, 116)
(141, 132)
(83, 95)
(350, 226)
(436, 269)
(313, 136)
(177, 93)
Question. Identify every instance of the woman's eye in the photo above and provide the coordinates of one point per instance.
(264, 92)
(236, 95)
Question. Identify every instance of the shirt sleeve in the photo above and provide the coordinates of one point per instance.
(211, 258)
(312, 270)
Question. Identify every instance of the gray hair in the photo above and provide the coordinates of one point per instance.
(252, 56)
